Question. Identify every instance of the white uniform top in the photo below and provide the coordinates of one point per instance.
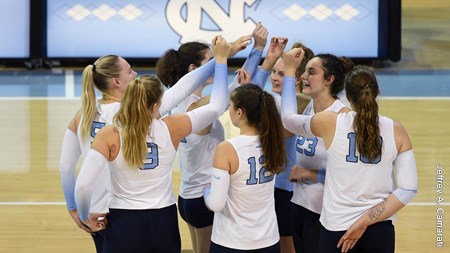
(149, 187)
(311, 154)
(248, 220)
(352, 186)
(103, 117)
(195, 155)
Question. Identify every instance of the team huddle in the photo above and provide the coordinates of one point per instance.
(306, 173)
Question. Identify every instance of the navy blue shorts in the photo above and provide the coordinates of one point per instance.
(378, 238)
(284, 211)
(216, 248)
(195, 213)
(98, 238)
(305, 229)
(151, 230)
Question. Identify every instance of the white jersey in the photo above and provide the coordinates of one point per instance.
(311, 154)
(353, 185)
(151, 186)
(195, 155)
(103, 117)
(248, 220)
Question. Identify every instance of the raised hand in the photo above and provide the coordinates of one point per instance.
(239, 44)
(260, 34)
(292, 60)
(276, 47)
(221, 49)
(243, 76)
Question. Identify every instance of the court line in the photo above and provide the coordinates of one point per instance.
(55, 203)
(32, 203)
(413, 98)
(428, 204)
(70, 84)
(39, 98)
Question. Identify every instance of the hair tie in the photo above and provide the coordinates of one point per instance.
(93, 67)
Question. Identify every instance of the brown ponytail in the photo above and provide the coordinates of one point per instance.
(174, 64)
(262, 113)
(362, 89)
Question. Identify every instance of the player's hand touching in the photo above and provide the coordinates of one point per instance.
(221, 49)
(260, 34)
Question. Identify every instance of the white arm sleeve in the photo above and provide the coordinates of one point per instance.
(293, 122)
(185, 86)
(92, 167)
(216, 194)
(406, 174)
(70, 152)
(250, 65)
(203, 116)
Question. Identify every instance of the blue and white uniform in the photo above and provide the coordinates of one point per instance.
(103, 117)
(355, 184)
(195, 154)
(142, 202)
(312, 154)
(366, 183)
(151, 186)
(143, 213)
(248, 220)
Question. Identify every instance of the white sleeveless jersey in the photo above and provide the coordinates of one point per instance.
(248, 220)
(103, 117)
(311, 154)
(353, 184)
(149, 187)
(195, 155)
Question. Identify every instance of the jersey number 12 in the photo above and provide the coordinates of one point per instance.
(262, 172)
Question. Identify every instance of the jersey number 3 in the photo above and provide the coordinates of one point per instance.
(262, 172)
(151, 160)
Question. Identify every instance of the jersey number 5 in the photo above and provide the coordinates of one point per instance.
(262, 172)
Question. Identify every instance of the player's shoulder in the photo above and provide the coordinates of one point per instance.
(108, 131)
(225, 146)
(73, 125)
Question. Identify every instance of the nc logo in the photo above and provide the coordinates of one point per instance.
(231, 23)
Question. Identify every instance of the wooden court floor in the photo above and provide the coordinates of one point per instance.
(34, 219)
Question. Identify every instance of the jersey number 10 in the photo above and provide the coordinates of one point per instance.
(352, 157)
